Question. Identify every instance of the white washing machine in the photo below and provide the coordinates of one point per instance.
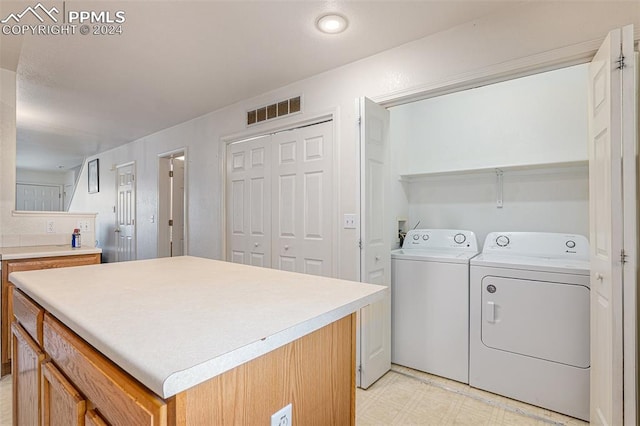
(529, 319)
(430, 301)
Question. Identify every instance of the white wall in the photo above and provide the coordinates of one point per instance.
(533, 120)
(530, 34)
(543, 200)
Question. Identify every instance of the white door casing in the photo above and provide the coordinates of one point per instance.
(302, 161)
(630, 94)
(375, 257)
(177, 207)
(606, 231)
(248, 202)
(125, 213)
(164, 206)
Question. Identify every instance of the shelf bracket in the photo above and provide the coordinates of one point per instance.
(499, 187)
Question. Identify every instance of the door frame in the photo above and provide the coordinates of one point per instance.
(185, 212)
(576, 54)
(283, 126)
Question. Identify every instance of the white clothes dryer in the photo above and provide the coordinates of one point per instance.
(430, 301)
(529, 319)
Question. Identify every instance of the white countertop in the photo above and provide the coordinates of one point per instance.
(173, 323)
(11, 253)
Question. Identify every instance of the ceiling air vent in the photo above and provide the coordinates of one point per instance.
(269, 112)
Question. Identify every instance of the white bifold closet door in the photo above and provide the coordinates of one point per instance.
(279, 200)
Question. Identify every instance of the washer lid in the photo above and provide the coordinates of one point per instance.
(439, 255)
(533, 263)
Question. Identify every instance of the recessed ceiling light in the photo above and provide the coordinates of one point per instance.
(332, 23)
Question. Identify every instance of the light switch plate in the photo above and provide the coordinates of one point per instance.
(282, 417)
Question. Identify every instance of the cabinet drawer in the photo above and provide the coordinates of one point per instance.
(28, 314)
(119, 398)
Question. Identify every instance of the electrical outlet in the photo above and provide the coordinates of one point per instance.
(83, 225)
(282, 417)
(349, 221)
(50, 228)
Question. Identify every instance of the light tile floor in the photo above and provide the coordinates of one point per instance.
(409, 397)
(5, 400)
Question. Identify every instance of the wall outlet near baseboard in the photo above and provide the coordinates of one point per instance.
(50, 227)
(282, 417)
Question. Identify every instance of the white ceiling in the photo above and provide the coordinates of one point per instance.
(176, 60)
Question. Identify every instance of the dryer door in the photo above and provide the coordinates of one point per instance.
(546, 320)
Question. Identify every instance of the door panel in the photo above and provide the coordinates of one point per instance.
(302, 216)
(248, 205)
(531, 318)
(34, 197)
(375, 320)
(606, 221)
(125, 214)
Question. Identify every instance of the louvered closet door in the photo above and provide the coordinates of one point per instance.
(248, 205)
(302, 197)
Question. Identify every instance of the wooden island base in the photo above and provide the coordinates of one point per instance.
(315, 373)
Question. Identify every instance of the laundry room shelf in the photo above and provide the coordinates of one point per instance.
(581, 167)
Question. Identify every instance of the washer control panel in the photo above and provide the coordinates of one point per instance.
(538, 244)
(440, 238)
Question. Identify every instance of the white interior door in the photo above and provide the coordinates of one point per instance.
(125, 213)
(248, 202)
(606, 232)
(302, 194)
(37, 197)
(375, 319)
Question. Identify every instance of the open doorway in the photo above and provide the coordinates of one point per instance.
(171, 204)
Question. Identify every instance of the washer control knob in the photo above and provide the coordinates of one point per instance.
(425, 237)
(502, 241)
(459, 238)
(416, 237)
(570, 243)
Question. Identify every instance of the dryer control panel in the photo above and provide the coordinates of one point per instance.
(441, 238)
(538, 244)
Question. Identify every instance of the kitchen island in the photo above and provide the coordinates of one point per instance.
(186, 341)
(27, 258)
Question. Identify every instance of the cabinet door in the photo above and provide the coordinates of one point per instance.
(62, 404)
(27, 359)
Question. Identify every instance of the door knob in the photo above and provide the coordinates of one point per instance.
(377, 258)
(117, 230)
(286, 247)
(599, 276)
(256, 244)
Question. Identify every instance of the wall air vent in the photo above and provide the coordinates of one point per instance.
(279, 109)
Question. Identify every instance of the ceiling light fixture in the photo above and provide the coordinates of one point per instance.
(332, 23)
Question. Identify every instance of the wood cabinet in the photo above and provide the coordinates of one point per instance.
(62, 380)
(6, 309)
(62, 404)
(27, 359)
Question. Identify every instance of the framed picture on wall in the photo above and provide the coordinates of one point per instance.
(94, 177)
